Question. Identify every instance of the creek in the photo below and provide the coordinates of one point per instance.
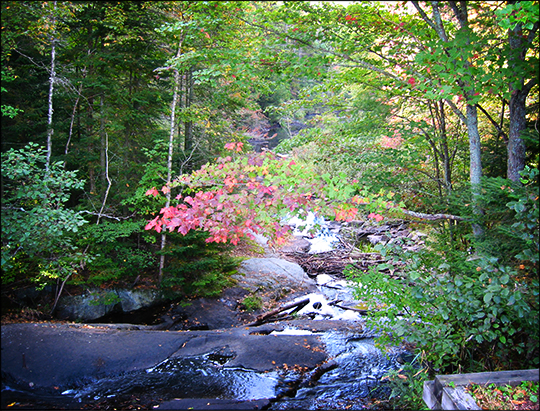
(348, 377)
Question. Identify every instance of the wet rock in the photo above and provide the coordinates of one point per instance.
(211, 313)
(70, 356)
(212, 404)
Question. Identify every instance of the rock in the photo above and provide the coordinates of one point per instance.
(86, 307)
(297, 245)
(96, 303)
(264, 274)
(212, 404)
(375, 239)
(212, 313)
(69, 356)
(131, 300)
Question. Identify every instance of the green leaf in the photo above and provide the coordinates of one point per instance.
(487, 297)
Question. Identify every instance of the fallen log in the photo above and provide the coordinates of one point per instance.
(434, 217)
(261, 319)
(335, 303)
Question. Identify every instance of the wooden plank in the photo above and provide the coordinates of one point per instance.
(430, 397)
(458, 399)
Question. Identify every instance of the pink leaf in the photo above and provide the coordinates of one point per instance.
(152, 191)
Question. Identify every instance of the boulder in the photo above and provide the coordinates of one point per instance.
(86, 307)
(131, 300)
(273, 274)
(97, 303)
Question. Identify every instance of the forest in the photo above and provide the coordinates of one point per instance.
(131, 151)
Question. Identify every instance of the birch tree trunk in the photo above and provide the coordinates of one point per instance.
(52, 78)
(172, 129)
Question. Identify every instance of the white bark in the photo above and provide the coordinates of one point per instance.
(170, 156)
(107, 176)
(52, 78)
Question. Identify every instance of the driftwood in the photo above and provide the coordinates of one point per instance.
(264, 318)
(343, 307)
(333, 262)
(434, 217)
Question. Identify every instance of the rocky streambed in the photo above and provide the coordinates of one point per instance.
(300, 350)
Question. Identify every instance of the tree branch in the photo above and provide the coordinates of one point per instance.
(501, 132)
(107, 216)
(361, 63)
(433, 217)
(424, 15)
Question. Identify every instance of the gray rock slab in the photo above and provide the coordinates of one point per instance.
(48, 355)
(65, 355)
(271, 273)
(131, 300)
(257, 352)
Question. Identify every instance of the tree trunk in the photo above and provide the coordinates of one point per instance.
(516, 145)
(104, 143)
(188, 125)
(170, 157)
(447, 165)
(52, 78)
(475, 164)
(518, 96)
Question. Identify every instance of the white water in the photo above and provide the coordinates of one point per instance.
(316, 230)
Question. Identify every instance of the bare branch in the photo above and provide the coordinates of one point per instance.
(433, 217)
(501, 132)
(107, 216)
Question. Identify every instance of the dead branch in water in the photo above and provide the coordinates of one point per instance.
(263, 318)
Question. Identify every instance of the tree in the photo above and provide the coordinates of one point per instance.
(520, 19)
(452, 56)
(242, 195)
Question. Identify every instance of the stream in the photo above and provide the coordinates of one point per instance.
(350, 378)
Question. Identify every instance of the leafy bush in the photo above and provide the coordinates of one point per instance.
(37, 229)
(465, 314)
(511, 220)
(120, 251)
(406, 386)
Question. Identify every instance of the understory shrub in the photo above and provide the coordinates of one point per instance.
(121, 252)
(194, 267)
(473, 315)
(38, 230)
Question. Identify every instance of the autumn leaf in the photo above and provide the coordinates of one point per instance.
(153, 191)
